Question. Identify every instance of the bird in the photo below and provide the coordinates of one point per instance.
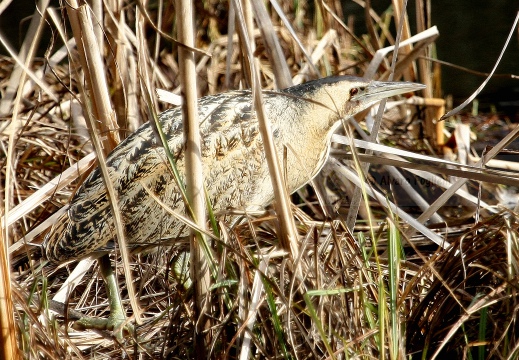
(303, 119)
(236, 176)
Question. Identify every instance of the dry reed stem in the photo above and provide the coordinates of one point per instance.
(289, 238)
(9, 349)
(199, 268)
(102, 130)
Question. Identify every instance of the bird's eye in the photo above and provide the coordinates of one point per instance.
(354, 91)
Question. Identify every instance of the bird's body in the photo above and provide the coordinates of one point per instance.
(235, 171)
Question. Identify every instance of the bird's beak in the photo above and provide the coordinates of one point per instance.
(378, 90)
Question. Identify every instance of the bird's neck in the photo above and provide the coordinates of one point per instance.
(308, 142)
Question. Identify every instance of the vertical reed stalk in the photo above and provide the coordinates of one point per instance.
(194, 172)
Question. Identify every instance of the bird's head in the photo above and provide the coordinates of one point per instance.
(362, 94)
(348, 95)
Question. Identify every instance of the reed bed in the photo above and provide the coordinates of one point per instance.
(377, 285)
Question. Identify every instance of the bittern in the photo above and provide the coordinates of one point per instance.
(303, 119)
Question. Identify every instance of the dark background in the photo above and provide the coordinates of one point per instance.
(472, 35)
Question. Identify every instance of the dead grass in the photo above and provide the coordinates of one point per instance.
(379, 291)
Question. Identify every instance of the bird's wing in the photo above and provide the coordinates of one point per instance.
(139, 162)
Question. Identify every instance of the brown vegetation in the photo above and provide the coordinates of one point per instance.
(378, 291)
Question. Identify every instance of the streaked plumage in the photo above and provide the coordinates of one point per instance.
(236, 174)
